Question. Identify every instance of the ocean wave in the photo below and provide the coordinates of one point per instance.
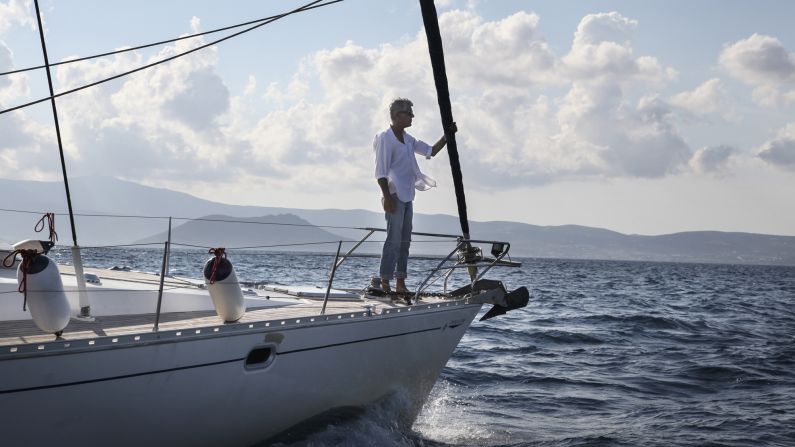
(605, 354)
(716, 373)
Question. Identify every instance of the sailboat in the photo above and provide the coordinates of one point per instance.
(105, 357)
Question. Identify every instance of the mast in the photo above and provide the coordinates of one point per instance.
(431, 21)
(434, 36)
(85, 308)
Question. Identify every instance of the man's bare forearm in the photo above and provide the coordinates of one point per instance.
(443, 141)
(383, 182)
(438, 146)
(388, 203)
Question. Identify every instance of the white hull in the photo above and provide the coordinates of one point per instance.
(195, 389)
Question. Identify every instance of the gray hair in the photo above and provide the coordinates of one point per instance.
(400, 105)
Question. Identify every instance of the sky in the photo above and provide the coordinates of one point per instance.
(649, 117)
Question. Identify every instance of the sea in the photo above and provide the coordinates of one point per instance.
(607, 353)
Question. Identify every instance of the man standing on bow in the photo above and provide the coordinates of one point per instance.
(398, 175)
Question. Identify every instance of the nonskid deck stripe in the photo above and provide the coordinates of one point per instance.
(236, 330)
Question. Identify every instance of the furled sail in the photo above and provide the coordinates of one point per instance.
(434, 36)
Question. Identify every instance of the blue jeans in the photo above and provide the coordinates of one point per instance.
(395, 255)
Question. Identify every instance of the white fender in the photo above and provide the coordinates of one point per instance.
(225, 291)
(47, 301)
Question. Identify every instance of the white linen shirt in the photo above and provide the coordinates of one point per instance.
(396, 162)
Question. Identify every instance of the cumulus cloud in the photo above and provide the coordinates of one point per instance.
(296, 89)
(16, 12)
(27, 149)
(203, 98)
(164, 121)
(759, 59)
(708, 98)
(602, 48)
(598, 133)
(508, 53)
(5, 64)
(713, 159)
(780, 151)
(251, 86)
(772, 95)
(180, 119)
(609, 27)
(513, 136)
(762, 61)
(21, 139)
(11, 86)
(12, 128)
(650, 145)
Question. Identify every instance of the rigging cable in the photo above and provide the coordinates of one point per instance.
(296, 244)
(102, 81)
(200, 219)
(197, 219)
(162, 42)
(57, 125)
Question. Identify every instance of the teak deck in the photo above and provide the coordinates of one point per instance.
(16, 332)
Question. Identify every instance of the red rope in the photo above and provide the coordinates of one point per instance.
(219, 253)
(50, 224)
(12, 257)
(27, 261)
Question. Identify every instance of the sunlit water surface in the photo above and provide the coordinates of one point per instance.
(605, 354)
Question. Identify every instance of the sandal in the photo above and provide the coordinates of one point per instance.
(405, 295)
(375, 291)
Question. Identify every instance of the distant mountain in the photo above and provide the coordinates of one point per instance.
(283, 232)
(106, 195)
(578, 242)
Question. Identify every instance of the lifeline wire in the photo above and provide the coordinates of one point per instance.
(102, 81)
(108, 290)
(162, 42)
(132, 216)
(296, 244)
(158, 245)
(199, 219)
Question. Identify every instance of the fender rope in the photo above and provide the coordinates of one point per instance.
(50, 224)
(27, 260)
(219, 253)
